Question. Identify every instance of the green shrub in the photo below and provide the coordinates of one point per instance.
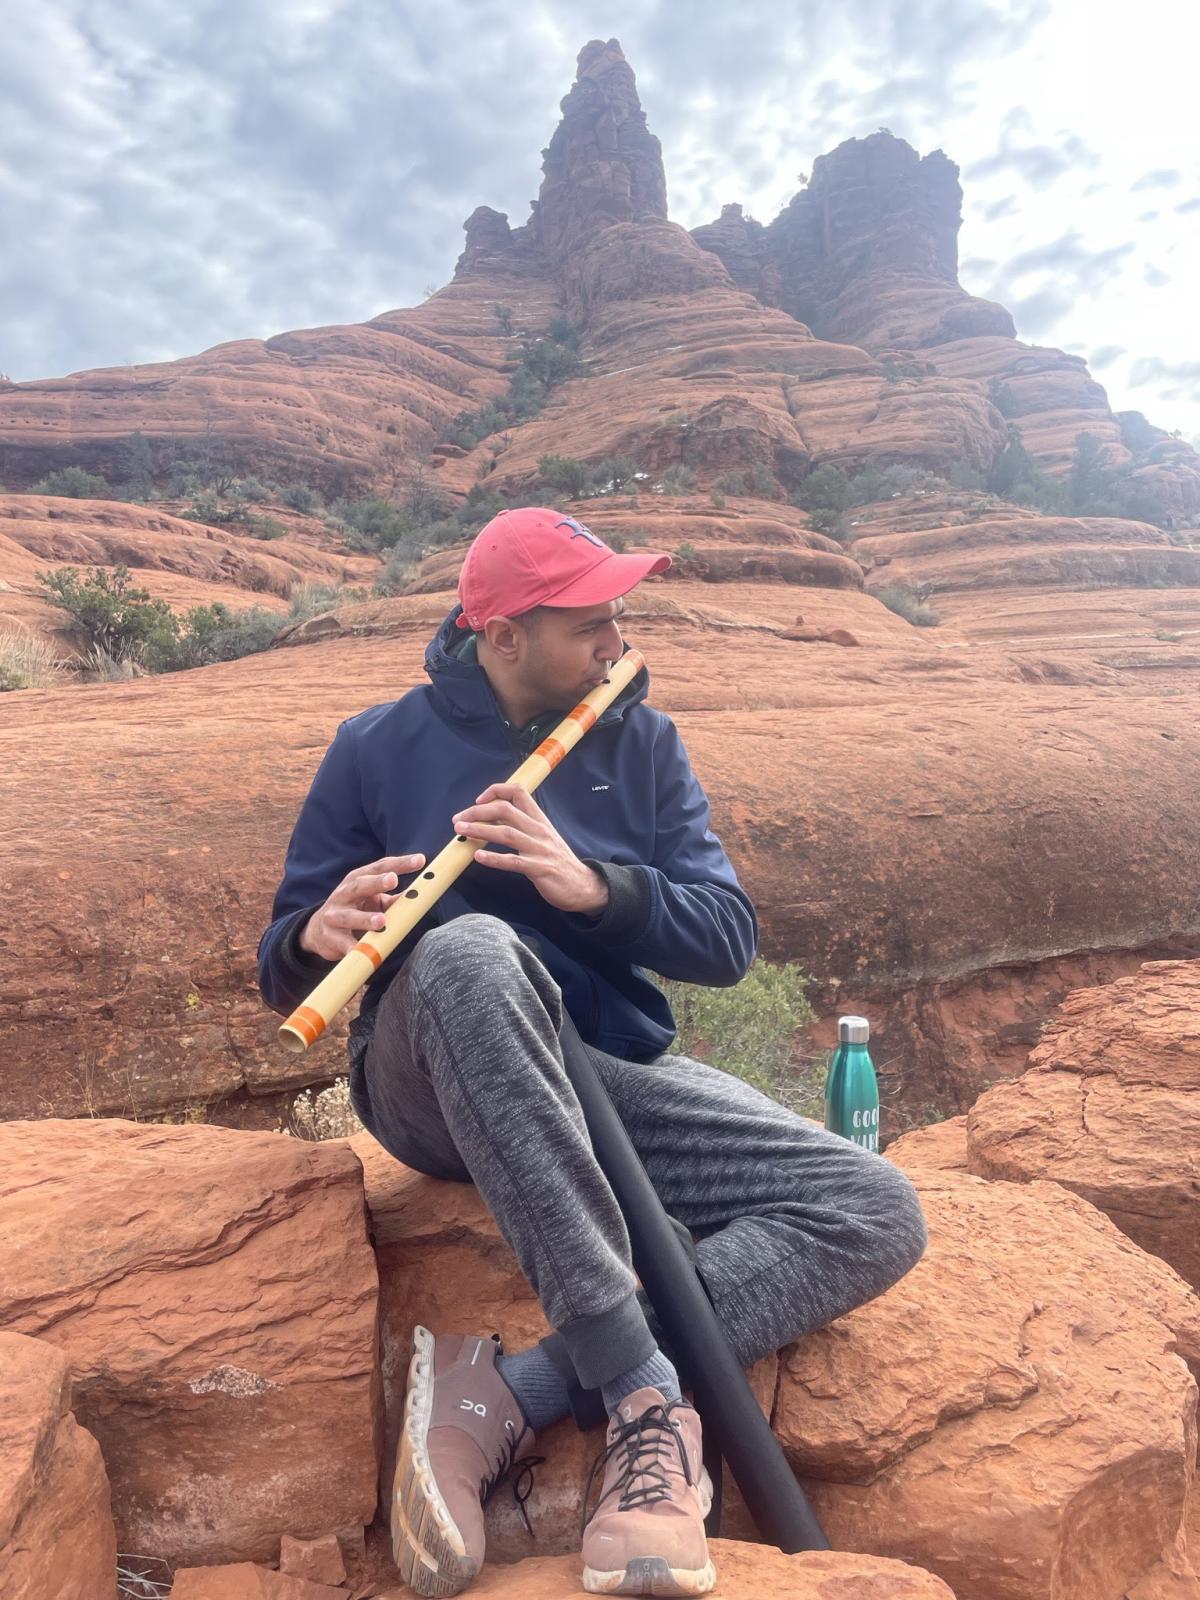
(762, 481)
(1002, 397)
(827, 488)
(253, 490)
(113, 615)
(717, 498)
(549, 362)
(301, 497)
(828, 522)
(566, 475)
(137, 466)
(504, 316)
(73, 483)
(561, 331)
(264, 527)
(614, 473)
(208, 507)
(730, 483)
(123, 624)
(750, 1030)
(907, 603)
(964, 476)
(678, 480)
(542, 364)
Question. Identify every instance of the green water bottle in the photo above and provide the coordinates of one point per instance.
(851, 1092)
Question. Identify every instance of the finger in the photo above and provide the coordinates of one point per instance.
(397, 864)
(515, 793)
(494, 811)
(490, 858)
(357, 919)
(496, 833)
(368, 884)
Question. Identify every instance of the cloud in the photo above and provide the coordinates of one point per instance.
(1000, 208)
(1106, 355)
(1188, 206)
(1155, 277)
(1044, 283)
(1149, 216)
(1039, 165)
(1174, 380)
(1160, 178)
(1036, 314)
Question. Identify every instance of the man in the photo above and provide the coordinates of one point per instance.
(456, 1064)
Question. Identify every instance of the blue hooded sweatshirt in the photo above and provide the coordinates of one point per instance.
(625, 800)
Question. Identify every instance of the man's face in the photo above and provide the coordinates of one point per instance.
(568, 651)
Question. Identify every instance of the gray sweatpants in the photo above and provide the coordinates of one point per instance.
(463, 1079)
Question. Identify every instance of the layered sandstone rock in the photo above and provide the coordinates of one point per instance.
(603, 165)
(989, 1418)
(1110, 1108)
(744, 1572)
(56, 1530)
(1016, 1414)
(867, 253)
(215, 1295)
(244, 1581)
(953, 855)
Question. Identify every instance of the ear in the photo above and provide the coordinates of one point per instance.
(504, 636)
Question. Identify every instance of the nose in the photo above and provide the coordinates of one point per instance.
(608, 643)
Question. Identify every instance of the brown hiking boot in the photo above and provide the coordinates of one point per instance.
(463, 1434)
(646, 1535)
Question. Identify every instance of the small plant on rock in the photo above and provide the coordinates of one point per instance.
(907, 603)
(74, 483)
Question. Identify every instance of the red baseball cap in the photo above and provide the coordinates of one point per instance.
(537, 557)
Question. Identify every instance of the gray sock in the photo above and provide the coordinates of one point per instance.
(535, 1380)
(656, 1372)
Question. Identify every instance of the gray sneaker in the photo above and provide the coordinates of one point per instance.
(646, 1535)
(463, 1434)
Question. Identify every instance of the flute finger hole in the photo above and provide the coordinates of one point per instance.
(410, 894)
(427, 874)
(460, 838)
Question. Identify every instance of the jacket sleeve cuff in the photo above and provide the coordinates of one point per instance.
(627, 913)
(298, 969)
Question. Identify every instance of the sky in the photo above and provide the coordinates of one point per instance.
(176, 176)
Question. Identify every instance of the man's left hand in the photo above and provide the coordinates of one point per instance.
(507, 814)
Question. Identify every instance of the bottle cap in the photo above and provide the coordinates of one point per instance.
(853, 1030)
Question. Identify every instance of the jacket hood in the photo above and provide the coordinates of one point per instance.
(465, 693)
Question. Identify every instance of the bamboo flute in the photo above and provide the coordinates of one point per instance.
(309, 1021)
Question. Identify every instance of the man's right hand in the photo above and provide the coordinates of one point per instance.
(356, 906)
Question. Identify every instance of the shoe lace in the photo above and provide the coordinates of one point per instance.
(643, 1478)
(522, 1483)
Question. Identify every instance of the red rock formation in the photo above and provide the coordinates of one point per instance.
(56, 1530)
(744, 1572)
(244, 1581)
(986, 1419)
(215, 1294)
(603, 166)
(1110, 1108)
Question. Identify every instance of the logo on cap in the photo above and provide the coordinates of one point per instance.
(580, 531)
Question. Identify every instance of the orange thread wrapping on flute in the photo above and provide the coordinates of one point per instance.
(584, 716)
(369, 951)
(551, 752)
(308, 1022)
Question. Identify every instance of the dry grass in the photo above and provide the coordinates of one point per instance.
(28, 663)
(324, 1114)
(97, 666)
